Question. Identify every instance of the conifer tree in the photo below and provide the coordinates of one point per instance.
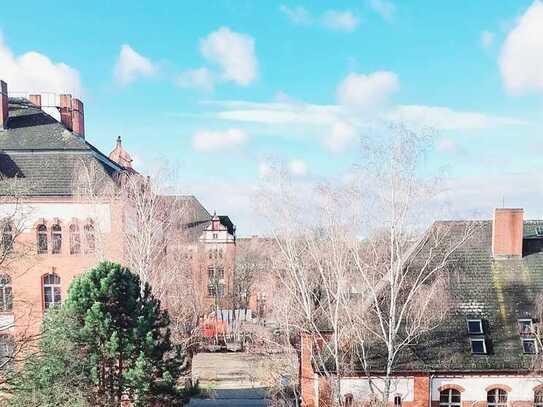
(121, 337)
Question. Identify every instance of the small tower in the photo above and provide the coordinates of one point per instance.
(120, 155)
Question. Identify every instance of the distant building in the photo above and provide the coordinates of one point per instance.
(482, 355)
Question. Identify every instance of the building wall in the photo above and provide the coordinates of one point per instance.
(28, 267)
(416, 390)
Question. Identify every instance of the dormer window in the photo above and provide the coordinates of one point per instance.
(526, 331)
(526, 326)
(475, 327)
(478, 346)
(529, 346)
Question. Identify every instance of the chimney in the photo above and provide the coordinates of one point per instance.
(507, 232)
(78, 118)
(35, 100)
(66, 111)
(4, 115)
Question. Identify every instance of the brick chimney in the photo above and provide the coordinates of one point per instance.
(507, 232)
(66, 111)
(78, 118)
(3, 105)
(35, 100)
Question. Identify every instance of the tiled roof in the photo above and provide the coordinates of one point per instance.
(39, 150)
(497, 291)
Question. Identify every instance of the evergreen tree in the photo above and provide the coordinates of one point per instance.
(121, 335)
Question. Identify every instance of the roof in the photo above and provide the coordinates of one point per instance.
(38, 149)
(497, 291)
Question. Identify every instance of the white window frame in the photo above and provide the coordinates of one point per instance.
(481, 330)
(479, 339)
(521, 321)
(531, 339)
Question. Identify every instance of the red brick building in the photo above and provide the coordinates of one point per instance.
(482, 355)
(53, 231)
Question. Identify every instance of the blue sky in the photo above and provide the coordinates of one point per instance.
(224, 89)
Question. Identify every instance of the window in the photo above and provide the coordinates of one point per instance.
(475, 326)
(56, 239)
(215, 282)
(348, 400)
(90, 238)
(529, 345)
(526, 326)
(7, 238)
(449, 398)
(42, 239)
(397, 401)
(75, 240)
(478, 346)
(215, 235)
(51, 291)
(496, 398)
(6, 293)
(538, 398)
(7, 349)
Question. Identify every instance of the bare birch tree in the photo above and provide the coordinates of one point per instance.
(372, 276)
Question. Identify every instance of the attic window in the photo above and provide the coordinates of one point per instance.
(478, 346)
(529, 346)
(526, 326)
(475, 326)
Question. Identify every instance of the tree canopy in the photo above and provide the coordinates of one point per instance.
(111, 339)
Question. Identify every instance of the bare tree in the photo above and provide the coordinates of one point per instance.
(358, 271)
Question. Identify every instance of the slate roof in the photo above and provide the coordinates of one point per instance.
(497, 291)
(39, 150)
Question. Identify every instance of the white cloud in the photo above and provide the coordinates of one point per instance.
(340, 20)
(297, 15)
(340, 137)
(446, 145)
(297, 167)
(367, 92)
(201, 78)
(33, 72)
(208, 141)
(131, 65)
(234, 53)
(521, 59)
(443, 118)
(487, 39)
(384, 8)
(332, 19)
(265, 169)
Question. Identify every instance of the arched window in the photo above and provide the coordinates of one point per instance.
(51, 291)
(90, 238)
(397, 401)
(6, 293)
(538, 398)
(496, 398)
(42, 239)
(75, 240)
(7, 238)
(449, 398)
(56, 239)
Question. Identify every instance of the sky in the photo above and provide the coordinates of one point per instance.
(225, 90)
